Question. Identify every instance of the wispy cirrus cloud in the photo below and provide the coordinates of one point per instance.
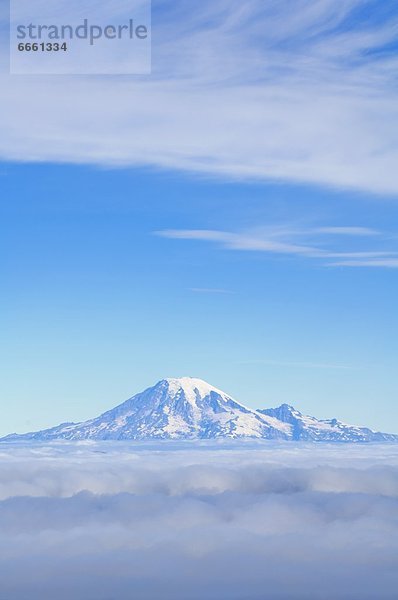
(243, 91)
(294, 241)
(239, 241)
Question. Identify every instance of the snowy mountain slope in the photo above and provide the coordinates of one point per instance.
(308, 428)
(172, 409)
(190, 408)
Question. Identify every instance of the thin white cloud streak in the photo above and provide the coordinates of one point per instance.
(281, 241)
(389, 263)
(350, 231)
(304, 365)
(186, 522)
(236, 241)
(253, 91)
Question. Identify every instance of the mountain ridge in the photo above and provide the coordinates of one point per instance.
(190, 408)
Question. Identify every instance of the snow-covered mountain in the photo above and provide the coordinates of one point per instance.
(172, 409)
(190, 408)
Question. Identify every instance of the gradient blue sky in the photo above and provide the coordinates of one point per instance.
(233, 217)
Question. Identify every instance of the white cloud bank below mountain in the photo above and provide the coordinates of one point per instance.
(191, 521)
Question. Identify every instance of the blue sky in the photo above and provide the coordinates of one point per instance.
(98, 305)
(232, 217)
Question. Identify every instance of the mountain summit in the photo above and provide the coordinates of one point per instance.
(172, 409)
(189, 408)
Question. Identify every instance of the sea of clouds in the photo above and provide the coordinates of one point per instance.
(182, 521)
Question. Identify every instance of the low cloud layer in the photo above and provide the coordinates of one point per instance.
(179, 521)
